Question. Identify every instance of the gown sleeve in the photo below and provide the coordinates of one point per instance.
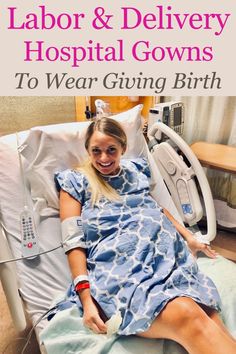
(72, 182)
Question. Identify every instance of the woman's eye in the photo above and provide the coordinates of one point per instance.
(96, 151)
(111, 150)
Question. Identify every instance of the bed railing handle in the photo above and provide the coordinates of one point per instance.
(199, 173)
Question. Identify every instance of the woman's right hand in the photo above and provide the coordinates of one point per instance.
(92, 319)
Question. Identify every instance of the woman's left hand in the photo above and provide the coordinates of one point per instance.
(196, 246)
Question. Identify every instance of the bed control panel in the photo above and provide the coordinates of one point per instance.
(29, 242)
(179, 179)
(182, 188)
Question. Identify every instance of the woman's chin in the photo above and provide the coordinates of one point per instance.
(106, 172)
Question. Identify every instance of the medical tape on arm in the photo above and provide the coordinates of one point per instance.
(72, 233)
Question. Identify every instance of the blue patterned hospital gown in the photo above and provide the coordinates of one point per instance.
(136, 259)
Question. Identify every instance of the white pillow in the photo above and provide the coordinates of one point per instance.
(54, 148)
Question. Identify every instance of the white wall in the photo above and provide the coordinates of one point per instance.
(20, 113)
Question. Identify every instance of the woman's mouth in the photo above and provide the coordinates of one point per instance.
(105, 165)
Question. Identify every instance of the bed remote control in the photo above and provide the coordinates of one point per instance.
(29, 242)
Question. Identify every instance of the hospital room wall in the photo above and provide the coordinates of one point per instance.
(21, 113)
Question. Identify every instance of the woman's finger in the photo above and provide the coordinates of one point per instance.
(93, 327)
(96, 325)
(100, 325)
(209, 252)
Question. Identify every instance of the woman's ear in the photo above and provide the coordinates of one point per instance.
(124, 148)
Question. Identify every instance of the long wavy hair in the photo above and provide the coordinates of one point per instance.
(98, 186)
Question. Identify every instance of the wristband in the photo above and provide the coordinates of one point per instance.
(80, 278)
(82, 286)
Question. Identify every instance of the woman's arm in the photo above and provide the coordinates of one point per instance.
(193, 244)
(180, 228)
(78, 265)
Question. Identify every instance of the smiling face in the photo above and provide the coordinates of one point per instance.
(105, 152)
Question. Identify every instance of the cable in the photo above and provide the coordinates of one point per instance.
(33, 328)
(35, 255)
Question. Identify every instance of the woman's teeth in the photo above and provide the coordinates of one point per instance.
(105, 164)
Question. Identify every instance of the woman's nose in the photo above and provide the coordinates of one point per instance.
(104, 156)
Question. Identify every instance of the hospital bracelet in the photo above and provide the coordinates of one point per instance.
(81, 286)
(80, 278)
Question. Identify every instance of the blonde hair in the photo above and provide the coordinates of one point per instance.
(99, 187)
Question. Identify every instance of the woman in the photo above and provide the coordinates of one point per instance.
(129, 256)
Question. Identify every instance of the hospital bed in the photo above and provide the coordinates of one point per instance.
(28, 162)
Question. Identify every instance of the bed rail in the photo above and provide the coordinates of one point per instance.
(199, 173)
